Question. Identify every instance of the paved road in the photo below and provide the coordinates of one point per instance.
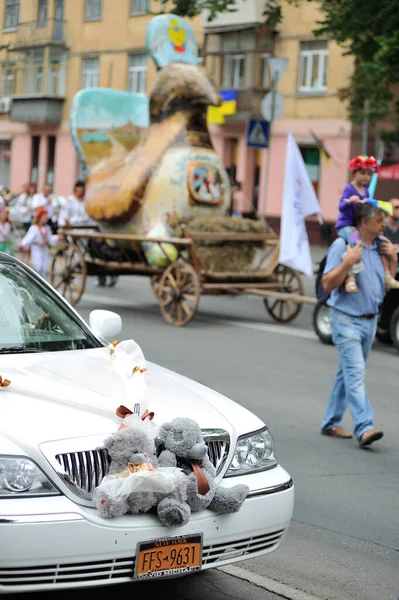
(344, 541)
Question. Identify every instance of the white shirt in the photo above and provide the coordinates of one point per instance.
(40, 201)
(75, 213)
(23, 208)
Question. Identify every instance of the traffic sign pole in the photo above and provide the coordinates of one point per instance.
(264, 195)
(277, 67)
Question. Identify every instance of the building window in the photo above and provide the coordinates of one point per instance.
(33, 76)
(42, 13)
(93, 10)
(313, 67)
(90, 72)
(12, 14)
(5, 156)
(50, 159)
(34, 170)
(56, 77)
(234, 71)
(311, 157)
(139, 7)
(137, 73)
(8, 81)
(264, 70)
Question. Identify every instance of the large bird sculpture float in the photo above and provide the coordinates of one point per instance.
(150, 159)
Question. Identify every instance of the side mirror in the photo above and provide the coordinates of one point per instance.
(105, 323)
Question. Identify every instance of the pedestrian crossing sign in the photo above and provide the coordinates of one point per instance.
(257, 133)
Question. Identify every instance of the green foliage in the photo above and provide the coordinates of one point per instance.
(366, 29)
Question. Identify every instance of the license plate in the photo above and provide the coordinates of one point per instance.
(167, 556)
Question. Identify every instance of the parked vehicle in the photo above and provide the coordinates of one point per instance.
(388, 322)
(54, 416)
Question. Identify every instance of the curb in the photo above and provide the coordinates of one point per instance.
(270, 585)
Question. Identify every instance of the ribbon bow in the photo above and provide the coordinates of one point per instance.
(4, 382)
(123, 412)
(138, 369)
(114, 344)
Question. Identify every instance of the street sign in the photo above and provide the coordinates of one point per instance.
(277, 66)
(266, 106)
(257, 133)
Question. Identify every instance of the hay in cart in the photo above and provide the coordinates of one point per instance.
(232, 256)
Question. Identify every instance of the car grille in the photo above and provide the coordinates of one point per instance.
(122, 569)
(86, 468)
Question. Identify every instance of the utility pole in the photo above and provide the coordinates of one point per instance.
(365, 128)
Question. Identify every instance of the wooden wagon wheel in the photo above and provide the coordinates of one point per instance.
(68, 272)
(289, 282)
(179, 293)
(155, 281)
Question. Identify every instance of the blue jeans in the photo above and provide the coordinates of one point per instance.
(353, 338)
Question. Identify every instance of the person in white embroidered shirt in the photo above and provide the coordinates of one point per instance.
(73, 212)
(38, 241)
(45, 200)
(21, 209)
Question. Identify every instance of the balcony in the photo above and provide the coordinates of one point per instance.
(248, 103)
(37, 91)
(33, 34)
(245, 72)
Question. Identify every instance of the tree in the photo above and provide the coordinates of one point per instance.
(366, 29)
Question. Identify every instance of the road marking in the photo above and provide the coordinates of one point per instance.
(256, 326)
(270, 585)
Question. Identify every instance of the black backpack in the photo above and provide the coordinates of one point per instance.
(321, 295)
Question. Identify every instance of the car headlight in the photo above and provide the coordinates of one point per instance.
(20, 477)
(254, 452)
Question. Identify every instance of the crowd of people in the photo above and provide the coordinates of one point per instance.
(29, 223)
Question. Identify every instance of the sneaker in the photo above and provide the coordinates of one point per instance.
(390, 281)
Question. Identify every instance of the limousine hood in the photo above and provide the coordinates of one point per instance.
(60, 395)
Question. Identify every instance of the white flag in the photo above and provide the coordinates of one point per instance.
(299, 201)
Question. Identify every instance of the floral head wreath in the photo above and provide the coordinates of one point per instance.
(364, 162)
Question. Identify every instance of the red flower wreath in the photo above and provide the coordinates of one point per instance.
(372, 163)
(364, 162)
(357, 163)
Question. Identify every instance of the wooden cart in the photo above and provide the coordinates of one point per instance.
(178, 285)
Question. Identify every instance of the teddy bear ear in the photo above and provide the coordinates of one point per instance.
(166, 427)
(109, 442)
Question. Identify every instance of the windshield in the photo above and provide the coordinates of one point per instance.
(33, 319)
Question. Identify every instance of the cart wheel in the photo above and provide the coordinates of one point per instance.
(179, 293)
(68, 273)
(290, 283)
(155, 281)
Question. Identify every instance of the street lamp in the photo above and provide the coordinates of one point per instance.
(271, 109)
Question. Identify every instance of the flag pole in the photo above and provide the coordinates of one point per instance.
(374, 178)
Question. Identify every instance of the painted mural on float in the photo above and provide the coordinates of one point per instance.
(149, 160)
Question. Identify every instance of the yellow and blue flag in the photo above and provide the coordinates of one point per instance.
(321, 147)
(216, 114)
(382, 205)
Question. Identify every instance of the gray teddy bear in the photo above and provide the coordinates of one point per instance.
(180, 444)
(132, 450)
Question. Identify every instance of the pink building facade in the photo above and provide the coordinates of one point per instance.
(39, 154)
(262, 192)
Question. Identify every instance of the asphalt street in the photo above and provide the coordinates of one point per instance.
(343, 543)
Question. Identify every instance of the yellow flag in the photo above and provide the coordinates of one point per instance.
(215, 115)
